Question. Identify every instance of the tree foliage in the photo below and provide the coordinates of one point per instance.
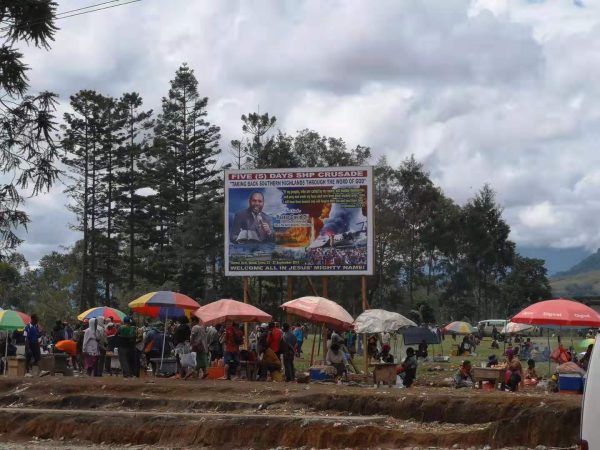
(27, 149)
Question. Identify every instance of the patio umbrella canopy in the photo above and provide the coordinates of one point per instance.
(559, 312)
(417, 335)
(381, 321)
(102, 311)
(513, 328)
(164, 304)
(9, 321)
(13, 320)
(319, 310)
(226, 310)
(459, 327)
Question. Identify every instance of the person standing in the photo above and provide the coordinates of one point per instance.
(90, 348)
(214, 342)
(351, 342)
(33, 353)
(299, 334)
(274, 339)
(290, 344)
(126, 344)
(233, 339)
(199, 344)
(102, 346)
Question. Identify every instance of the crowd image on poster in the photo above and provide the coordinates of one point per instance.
(299, 221)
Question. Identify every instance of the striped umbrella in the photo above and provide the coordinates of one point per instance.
(9, 321)
(13, 320)
(459, 327)
(164, 304)
(102, 311)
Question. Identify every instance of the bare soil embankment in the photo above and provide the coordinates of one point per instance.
(220, 414)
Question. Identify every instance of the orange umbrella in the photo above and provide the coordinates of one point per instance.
(226, 310)
(67, 346)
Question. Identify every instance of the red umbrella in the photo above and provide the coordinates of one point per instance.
(559, 312)
(319, 310)
(225, 310)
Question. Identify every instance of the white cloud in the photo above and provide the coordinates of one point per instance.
(498, 91)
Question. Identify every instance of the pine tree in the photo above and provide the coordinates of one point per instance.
(131, 219)
(27, 149)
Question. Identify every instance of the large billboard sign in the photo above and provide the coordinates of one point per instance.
(316, 221)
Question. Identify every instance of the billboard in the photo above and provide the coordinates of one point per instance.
(314, 221)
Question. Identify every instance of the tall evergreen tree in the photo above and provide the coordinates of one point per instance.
(183, 163)
(27, 149)
(131, 220)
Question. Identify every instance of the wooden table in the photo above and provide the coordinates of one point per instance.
(384, 372)
(491, 374)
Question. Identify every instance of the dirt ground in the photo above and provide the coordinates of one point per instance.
(112, 412)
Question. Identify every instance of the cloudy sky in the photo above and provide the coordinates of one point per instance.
(497, 91)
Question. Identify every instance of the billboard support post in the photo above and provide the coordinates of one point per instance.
(325, 288)
(290, 295)
(246, 343)
(363, 283)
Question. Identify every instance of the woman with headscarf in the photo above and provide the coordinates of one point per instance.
(514, 371)
(102, 346)
(90, 347)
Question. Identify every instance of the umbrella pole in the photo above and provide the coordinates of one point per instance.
(320, 337)
(550, 350)
(6, 353)
(162, 353)
(365, 356)
(312, 353)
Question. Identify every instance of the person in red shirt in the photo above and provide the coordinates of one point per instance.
(233, 339)
(274, 338)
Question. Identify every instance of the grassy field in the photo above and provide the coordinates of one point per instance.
(436, 372)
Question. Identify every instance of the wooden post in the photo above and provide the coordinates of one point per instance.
(246, 346)
(290, 295)
(312, 353)
(325, 288)
(363, 283)
(312, 287)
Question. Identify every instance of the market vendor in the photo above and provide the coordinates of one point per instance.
(408, 369)
(531, 376)
(335, 358)
(463, 377)
(514, 371)
(269, 361)
(385, 356)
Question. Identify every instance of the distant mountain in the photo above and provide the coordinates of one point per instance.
(581, 280)
(589, 264)
(555, 259)
(585, 284)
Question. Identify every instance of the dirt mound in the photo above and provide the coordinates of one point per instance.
(266, 415)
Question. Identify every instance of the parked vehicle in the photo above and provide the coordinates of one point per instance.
(485, 327)
(590, 410)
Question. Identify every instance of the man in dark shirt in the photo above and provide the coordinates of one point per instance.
(32, 344)
(289, 352)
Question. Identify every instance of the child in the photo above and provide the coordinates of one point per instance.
(531, 376)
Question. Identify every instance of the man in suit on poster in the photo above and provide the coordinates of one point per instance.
(251, 224)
